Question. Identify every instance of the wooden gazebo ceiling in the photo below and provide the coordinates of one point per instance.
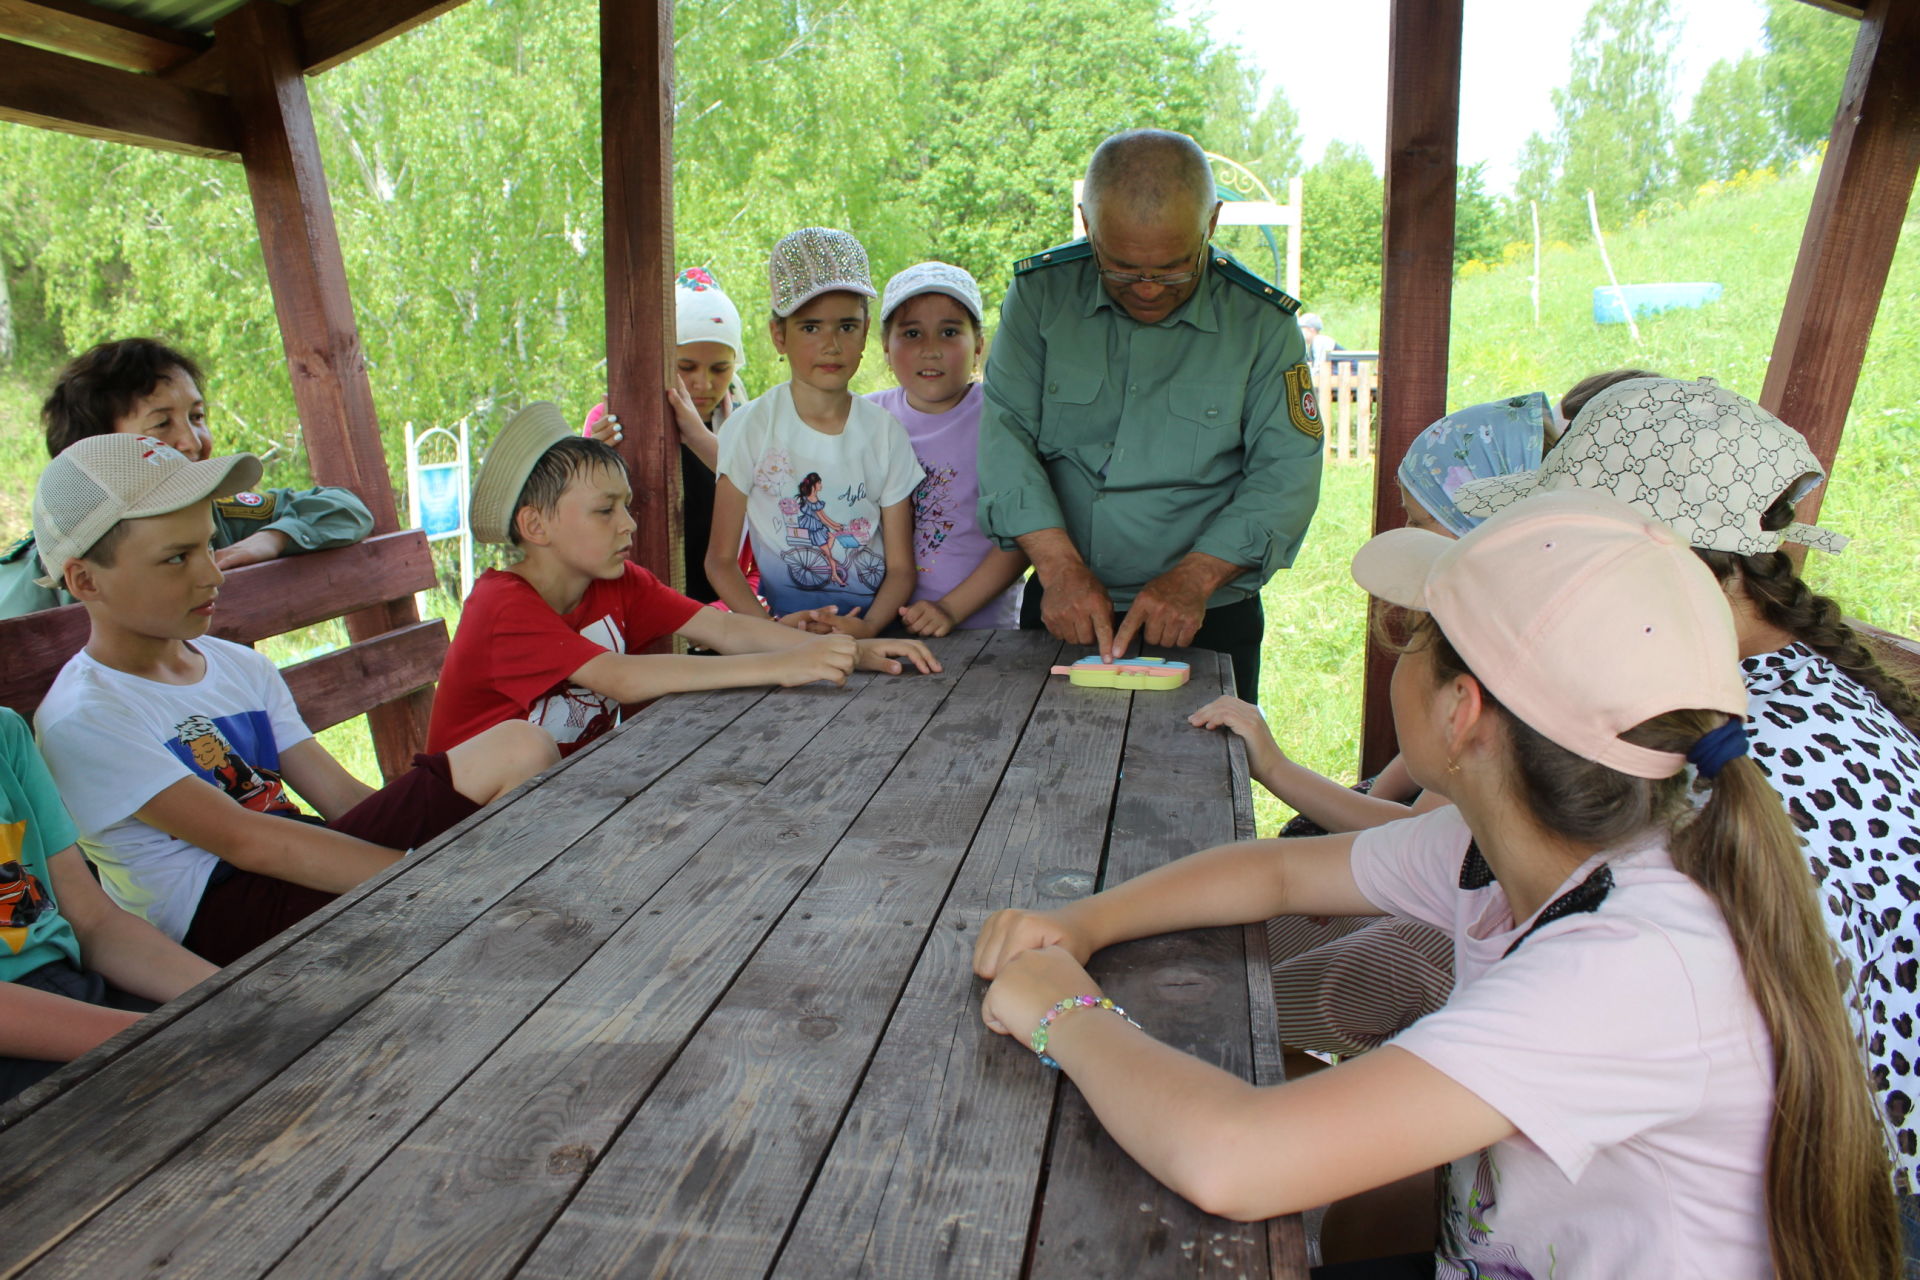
(152, 71)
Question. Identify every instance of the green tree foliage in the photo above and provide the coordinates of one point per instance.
(1808, 50)
(1614, 127)
(1343, 198)
(465, 163)
(1730, 127)
(1476, 218)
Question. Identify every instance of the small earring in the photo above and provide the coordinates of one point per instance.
(1453, 767)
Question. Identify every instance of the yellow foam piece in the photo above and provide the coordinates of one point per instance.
(1126, 673)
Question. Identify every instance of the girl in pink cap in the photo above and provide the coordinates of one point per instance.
(1646, 1067)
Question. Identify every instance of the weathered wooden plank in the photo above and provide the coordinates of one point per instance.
(204, 1054)
(1176, 795)
(636, 132)
(950, 1114)
(257, 601)
(245, 1192)
(713, 1167)
(332, 31)
(472, 1188)
(96, 34)
(1898, 654)
(308, 278)
(1852, 232)
(1416, 278)
(338, 686)
(55, 91)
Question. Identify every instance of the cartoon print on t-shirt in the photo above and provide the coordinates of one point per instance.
(821, 551)
(22, 899)
(573, 713)
(208, 746)
(1468, 1250)
(932, 521)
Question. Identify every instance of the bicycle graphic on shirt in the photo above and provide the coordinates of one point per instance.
(812, 537)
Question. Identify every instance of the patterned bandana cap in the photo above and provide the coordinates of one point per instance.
(933, 277)
(96, 483)
(703, 312)
(1493, 439)
(816, 260)
(1704, 460)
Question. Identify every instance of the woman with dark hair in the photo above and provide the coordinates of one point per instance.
(138, 386)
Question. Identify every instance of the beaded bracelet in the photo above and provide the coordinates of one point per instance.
(1038, 1040)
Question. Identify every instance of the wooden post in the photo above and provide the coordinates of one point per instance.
(1416, 276)
(281, 154)
(1852, 230)
(636, 120)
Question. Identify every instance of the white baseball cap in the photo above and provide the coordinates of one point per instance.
(96, 483)
(932, 277)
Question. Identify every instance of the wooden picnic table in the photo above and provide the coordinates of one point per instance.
(696, 1003)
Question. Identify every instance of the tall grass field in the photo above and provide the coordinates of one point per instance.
(1743, 234)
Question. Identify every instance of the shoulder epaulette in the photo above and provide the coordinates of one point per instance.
(1073, 251)
(1227, 265)
(17, 551)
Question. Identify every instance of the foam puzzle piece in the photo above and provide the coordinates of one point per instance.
(1127, 673)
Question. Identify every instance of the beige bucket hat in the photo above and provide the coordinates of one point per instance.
(515, 452)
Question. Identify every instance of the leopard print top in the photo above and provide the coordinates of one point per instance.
(1849, 772)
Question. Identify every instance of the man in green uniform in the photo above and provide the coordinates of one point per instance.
(139, 386)
(1150, 437)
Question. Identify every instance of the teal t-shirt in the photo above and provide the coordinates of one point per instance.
(33, 827)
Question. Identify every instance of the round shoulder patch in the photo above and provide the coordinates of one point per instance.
(248, 499)
(1303, 406)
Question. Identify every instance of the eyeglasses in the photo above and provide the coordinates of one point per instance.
(1127, 279)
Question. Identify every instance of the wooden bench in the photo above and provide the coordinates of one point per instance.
(270, 599)
(1347, 384)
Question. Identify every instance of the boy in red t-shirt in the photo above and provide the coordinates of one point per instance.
(556, 638)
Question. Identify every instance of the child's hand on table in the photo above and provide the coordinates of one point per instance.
(817, 621)
(880, 655)
(829, 658)
(1244, 719)
(1030, 983)
(926, 618)
(1008, 933)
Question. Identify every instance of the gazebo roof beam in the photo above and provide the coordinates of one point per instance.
(96, 34)
(56, 91)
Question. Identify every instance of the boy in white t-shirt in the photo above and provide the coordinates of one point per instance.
(821, 480)
(174, 750)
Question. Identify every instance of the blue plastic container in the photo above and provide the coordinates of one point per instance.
(1650, 299)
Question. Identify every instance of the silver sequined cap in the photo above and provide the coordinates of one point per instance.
(813, 261)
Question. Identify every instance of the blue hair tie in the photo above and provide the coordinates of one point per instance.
(1711, 753)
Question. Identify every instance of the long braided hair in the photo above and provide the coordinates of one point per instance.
(1783, 600)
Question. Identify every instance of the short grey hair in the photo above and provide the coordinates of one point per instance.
(1148, 171)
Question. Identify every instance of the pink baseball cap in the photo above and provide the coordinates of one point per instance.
(1582, 615)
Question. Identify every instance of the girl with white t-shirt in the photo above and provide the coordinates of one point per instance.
(1646, 1067)
(821, 480)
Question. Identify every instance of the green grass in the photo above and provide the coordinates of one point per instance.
(1746, 236)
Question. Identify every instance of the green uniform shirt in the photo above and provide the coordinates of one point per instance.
(312, 519)
(1147, 441)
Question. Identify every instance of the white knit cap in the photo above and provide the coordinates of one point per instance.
(704, 313)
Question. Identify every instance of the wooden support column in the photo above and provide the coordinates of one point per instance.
(1852, 231)
(1416, 277)
(636, 121)
(329, 370)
